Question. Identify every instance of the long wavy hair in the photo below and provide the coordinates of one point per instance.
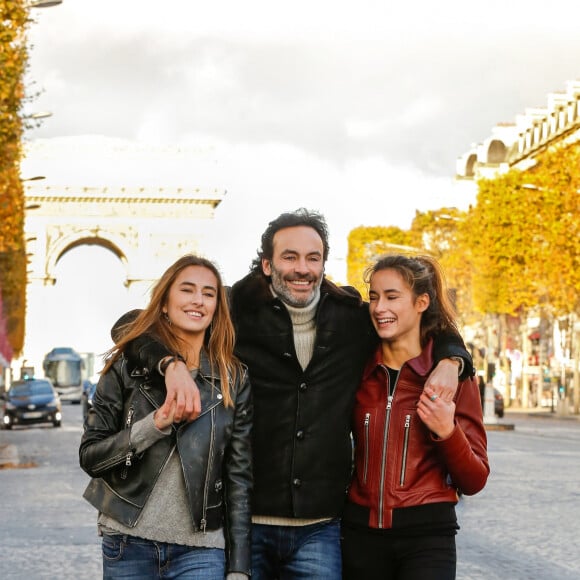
(423, 275)
(219, 336)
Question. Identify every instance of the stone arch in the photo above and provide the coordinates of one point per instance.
(496, 152)
(68, 243)
(470, 165)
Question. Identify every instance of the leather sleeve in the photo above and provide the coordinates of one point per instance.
(451, 344)
(238, 483)
(105, 443)
(465, 450)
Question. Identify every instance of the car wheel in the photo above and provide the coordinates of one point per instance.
(56, 423)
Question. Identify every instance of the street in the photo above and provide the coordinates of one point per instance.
(523, 526)
(526, 523)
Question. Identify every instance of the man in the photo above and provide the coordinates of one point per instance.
(305, 342)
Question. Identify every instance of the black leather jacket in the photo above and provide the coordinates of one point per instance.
(301, 433)
(215, 453)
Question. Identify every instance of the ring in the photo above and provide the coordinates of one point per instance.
(433, 397)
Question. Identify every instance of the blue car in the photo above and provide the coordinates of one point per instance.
(87, 397)
(31, 401)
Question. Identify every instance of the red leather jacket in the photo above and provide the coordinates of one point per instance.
(399, 463)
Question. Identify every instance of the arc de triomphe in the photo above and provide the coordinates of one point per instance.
(145, 228)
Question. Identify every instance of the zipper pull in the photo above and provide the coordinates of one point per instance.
(203, 524)
(367, 419)
(407, 421)
(389, 402)
(128, 459)
(130, 416)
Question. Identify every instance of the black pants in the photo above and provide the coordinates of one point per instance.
(373, 555)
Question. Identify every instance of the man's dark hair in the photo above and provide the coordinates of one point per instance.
(300, 217)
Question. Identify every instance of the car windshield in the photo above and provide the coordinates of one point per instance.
(28, 389)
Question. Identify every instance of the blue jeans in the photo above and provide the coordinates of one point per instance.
(296, 552)
(136, 558)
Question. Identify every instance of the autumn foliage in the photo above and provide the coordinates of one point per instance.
(13, 62)
(516, 250)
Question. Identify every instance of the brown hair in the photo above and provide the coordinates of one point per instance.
(219, 337)
(423, 275)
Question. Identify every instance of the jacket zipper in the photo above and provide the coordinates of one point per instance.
(366, 446)
(129, 455)
(385, 443)
(203, 522)
(384, 459)
(405, 447)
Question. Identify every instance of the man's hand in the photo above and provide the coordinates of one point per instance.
(444, 379)
(182, 399)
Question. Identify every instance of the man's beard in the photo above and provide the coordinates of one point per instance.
(285, 293)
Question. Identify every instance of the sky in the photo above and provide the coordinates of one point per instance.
(355, 109)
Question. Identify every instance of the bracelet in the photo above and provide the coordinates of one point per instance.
(166, 361)
(461, 364)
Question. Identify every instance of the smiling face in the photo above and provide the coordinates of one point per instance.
(394, 309)
(297, 265)
(192, 301)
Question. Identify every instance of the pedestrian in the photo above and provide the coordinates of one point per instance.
(174, 497)
(413, 450)
(305, 341)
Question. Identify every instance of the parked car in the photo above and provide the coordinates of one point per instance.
(87, 397)
(498, 403)
(31, 401)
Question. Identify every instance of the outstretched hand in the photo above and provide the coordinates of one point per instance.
(182, 400)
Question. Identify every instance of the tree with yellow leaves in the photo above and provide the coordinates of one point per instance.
(13, 62)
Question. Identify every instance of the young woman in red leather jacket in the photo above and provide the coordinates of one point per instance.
(413, 450)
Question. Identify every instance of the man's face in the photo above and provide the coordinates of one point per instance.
(297, 265)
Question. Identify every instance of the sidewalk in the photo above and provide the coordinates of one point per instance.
(545, 412)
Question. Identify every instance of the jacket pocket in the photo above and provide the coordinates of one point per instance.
(129, 456)
(366, 446)
(405, 448)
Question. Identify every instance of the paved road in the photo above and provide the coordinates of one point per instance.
(524, 526)
(47, 530)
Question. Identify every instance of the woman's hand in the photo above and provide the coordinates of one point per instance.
(437, 413)
(163, 421)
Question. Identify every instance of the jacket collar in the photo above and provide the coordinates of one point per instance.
(206, 370)
(421, 365)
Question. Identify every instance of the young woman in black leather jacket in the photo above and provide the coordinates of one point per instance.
(174, 496)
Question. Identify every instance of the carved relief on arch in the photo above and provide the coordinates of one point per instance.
(62, 240)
